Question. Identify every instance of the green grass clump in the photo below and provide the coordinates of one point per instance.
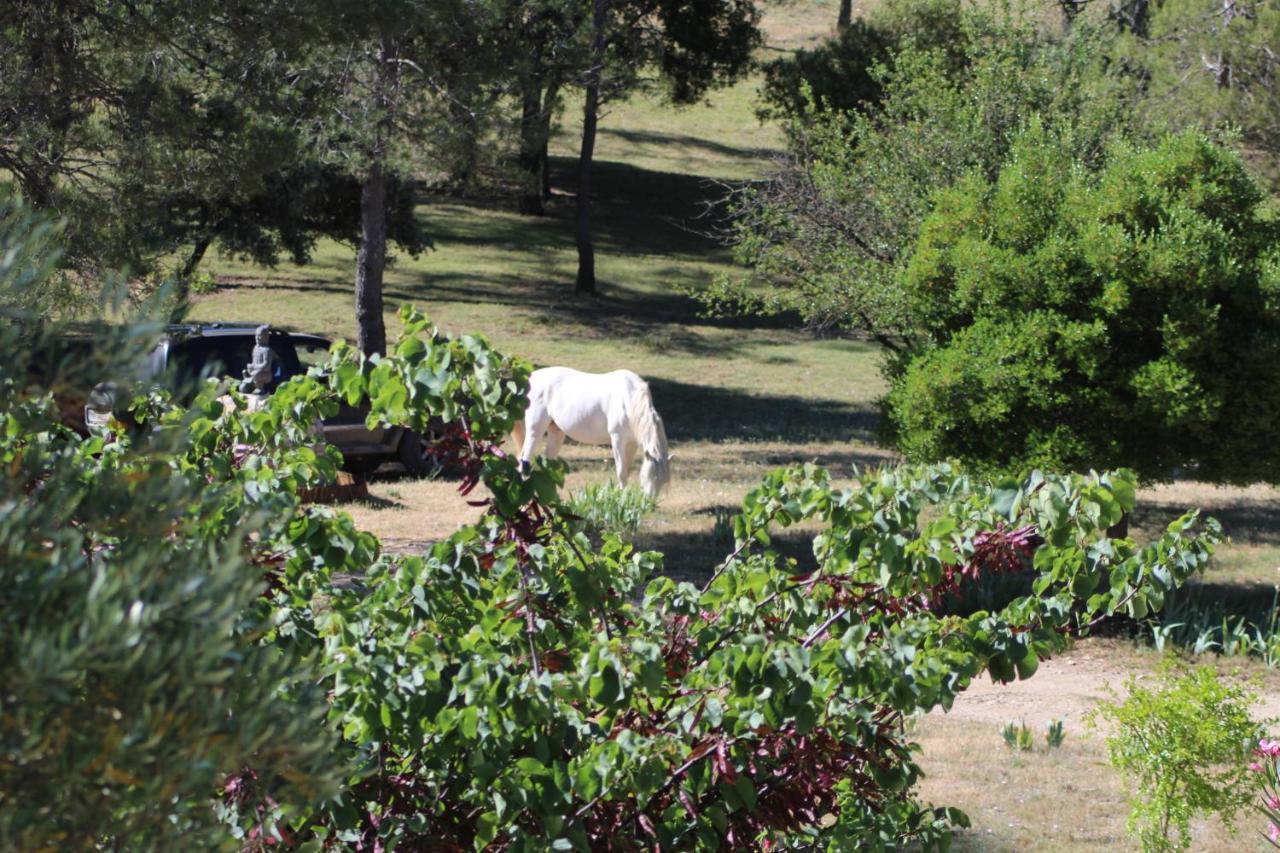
(608, 508)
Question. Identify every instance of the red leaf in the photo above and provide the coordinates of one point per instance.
(683, 796)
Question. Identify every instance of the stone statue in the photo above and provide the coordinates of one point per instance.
(261, 368)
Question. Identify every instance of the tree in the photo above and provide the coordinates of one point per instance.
(844, 16)
(155, 130)
(1181, 747)
(826, 235)
(387, 74)
(694, 47)
(1076, 320)
(146, 127)
(131, 610)
(1214, 64)
(841, 73)
(551, 43)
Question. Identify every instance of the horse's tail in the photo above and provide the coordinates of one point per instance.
(646, 426)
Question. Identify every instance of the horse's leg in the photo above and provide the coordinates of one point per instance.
(624, 451)
(555, 438)
(517, 436)
(536, 420)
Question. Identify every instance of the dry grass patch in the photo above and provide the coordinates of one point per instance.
(709, 480)
(1249, 514)
(1064, 799)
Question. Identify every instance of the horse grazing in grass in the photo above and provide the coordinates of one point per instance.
(596, 408)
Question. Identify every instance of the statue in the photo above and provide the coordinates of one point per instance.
(260, 371)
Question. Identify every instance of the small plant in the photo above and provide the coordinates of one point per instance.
(1055, 734)
(1180, 745)
(202, 283)
(1200, 626)
(608, 508)
(1018, 736)
(722, 535)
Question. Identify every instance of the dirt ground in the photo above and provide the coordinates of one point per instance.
(1069, 686)
(1064, 799)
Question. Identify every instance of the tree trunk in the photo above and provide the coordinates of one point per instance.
(586, 251)
(546, 173)
(532, 145)
(548, 109)
(586, 282)
(1222, 74)
(1071, 10)
(1133, 16)
(197, 255)
(371, 332)
(845, 16)
(464, 121)
(182, 281)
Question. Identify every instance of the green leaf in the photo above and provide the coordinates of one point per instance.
(1027, 666)
(531, 767)
(486, 829)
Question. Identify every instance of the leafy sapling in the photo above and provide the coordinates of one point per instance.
(1181, 745)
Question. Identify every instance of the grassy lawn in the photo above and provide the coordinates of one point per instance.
(739, 398)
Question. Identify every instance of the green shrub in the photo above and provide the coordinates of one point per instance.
(1182, 744)
(1085, 321)
(827, 234)
(609, 508)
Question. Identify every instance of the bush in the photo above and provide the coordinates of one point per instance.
(1182, 745)
(827, 235)
(1085, 321)
(547, 692)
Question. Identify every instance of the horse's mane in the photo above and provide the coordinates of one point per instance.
(646, 425)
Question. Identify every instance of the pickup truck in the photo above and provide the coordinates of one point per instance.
(194, 351)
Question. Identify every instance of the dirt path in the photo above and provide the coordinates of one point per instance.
(1070, 685)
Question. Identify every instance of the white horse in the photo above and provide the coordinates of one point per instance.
(596, 408)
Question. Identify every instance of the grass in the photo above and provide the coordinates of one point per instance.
(739, 399)
(604, 508)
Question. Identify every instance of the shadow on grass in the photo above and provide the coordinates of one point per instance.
(708, 413)
(1246, 522)
(659, 221)
(635, 211)
(653, 318)
(692, 556)
(684, 142)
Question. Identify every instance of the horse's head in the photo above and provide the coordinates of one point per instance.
(655, 473)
